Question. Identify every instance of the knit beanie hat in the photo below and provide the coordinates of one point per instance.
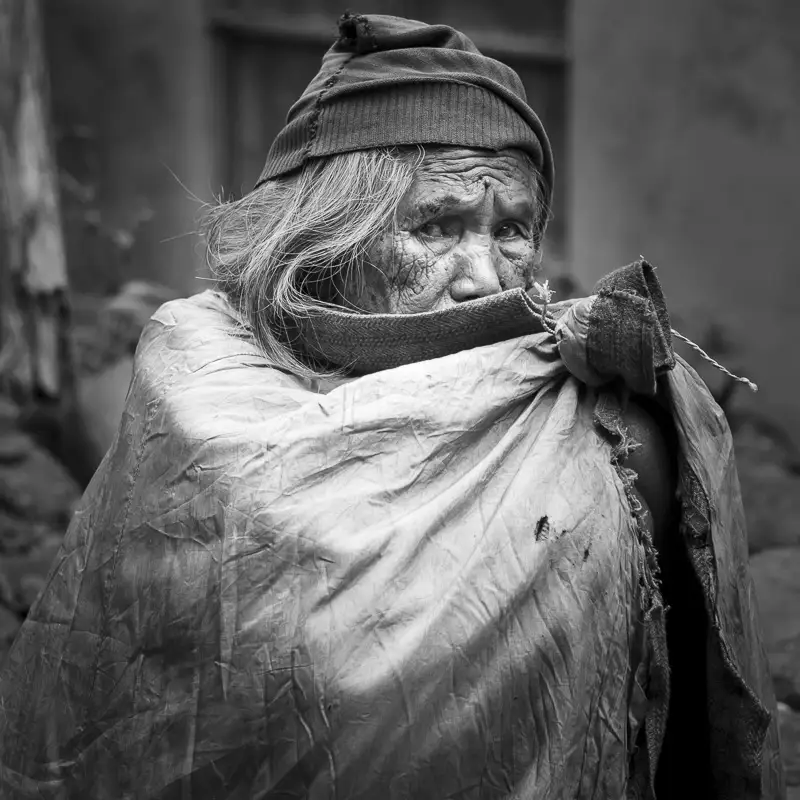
(389, 81)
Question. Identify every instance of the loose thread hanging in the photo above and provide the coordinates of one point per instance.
(545, 294)
(750, 385)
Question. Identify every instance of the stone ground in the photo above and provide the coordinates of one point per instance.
(38, 494)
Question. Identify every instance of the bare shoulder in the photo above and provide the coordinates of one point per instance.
(654, 461)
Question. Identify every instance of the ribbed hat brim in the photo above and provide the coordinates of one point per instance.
(417, 113)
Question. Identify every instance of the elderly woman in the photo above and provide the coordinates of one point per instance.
(383, 522)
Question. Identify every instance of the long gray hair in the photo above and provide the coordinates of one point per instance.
(280, 252)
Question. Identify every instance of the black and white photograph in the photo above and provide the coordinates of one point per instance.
(399, 401)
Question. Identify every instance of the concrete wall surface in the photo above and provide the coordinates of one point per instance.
(685, 125)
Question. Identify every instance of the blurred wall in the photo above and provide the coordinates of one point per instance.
(685, 126)
(132, 113)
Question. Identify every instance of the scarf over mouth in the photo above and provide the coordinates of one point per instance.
(622, 330)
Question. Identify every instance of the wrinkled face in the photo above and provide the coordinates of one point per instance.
(464, 230)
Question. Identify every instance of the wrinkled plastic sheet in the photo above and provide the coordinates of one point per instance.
(419, 583)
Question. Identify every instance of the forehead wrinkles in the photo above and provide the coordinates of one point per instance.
(468, 175)
(473, 165)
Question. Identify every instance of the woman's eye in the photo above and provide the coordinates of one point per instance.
(509, 230)
(431, 230)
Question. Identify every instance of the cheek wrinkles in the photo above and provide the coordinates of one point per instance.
(517, 265)
(412, 277)
(411, 273)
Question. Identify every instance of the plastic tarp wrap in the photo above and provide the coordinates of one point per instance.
(424, 582)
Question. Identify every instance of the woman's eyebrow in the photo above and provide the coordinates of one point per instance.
(438, 204)
(521, 209)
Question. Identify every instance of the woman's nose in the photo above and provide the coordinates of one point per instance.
(476, 273)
